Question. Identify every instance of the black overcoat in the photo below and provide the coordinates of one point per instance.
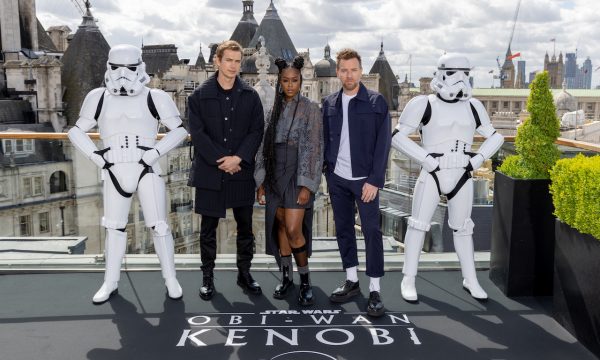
(214, 135)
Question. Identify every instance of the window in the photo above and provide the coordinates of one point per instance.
(44, 222)
(37, 186)
(58, 182)
(18, 146)
(174, 164)
(494, 104)
(25, 225)
(185, 163)
(8, 147)
(27, 187)
(187, 225)
(505, 104)
(33, 186)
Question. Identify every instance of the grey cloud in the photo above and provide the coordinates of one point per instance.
(226, 4)
(159, 22)
(539, 12)
(424, 28)
(105, 5)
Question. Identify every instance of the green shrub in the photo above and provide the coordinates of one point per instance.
(534, 143)
(575, 189)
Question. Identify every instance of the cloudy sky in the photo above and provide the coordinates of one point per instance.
(423, 29)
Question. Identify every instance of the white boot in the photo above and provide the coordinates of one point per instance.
(475, 290)
(107, 289)
(173, 288)
(408, 289)
(463, 244)
(164, 247)
(114, 251)
(413, 243)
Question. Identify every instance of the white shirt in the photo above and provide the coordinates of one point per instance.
(343, 165)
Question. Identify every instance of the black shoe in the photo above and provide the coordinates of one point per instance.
(281, 290)
(375, 306)
(347, 290)
(208, 287)
(246, 281)
(305, 296)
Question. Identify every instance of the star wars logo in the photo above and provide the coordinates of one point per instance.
(297, 330)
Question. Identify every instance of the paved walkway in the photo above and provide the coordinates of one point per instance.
(50, 316)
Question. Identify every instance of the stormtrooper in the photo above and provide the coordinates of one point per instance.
(447, 121)
(128, 115)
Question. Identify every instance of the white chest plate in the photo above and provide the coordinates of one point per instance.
(449, 122)
(124, 124)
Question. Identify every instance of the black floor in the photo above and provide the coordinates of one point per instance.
(50, 316)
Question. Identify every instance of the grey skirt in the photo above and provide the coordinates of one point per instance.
(285, 194)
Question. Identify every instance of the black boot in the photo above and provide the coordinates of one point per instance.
(305, 295)
(287, 282)
(246, 282)
(208, 286)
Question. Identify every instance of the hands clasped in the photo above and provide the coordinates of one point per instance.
(230, 164)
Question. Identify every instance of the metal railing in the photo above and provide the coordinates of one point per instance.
(181, 215)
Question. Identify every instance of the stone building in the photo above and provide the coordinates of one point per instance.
(555, 68)
(60, 36)
(246, 28)
(84, 65)
(388, 83)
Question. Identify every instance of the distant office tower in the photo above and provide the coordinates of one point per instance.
(578, 77)
(532, 75)
(586, 74)
(571, 70)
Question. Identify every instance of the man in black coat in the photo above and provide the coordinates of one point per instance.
(226, 124)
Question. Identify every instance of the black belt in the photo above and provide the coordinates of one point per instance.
(107, 165)
(461, 182)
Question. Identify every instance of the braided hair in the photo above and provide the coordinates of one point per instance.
(269, 144)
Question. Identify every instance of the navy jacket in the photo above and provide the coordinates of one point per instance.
(213, 137)
(369, 126)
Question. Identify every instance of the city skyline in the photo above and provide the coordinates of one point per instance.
(424, 33)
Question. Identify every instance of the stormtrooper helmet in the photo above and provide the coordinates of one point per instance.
(125, 71)
(451, 81)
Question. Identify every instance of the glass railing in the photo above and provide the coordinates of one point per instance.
(51, 207)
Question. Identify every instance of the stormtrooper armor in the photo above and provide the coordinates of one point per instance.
(447, 121)
(128, 115)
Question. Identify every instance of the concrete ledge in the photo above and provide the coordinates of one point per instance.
(320, 261)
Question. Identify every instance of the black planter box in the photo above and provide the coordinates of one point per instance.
(522, 246)
(576, 285)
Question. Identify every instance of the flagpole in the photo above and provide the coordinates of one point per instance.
(409, 68)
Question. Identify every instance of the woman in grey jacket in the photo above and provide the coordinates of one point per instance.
(288, 173)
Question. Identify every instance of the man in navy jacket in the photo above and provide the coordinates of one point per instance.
(357, 134)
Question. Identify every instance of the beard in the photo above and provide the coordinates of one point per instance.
(351, 85)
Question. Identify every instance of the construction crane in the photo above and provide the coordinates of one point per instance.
(501, 74)
(79, 7)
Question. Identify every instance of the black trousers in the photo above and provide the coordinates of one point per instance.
(244, 239)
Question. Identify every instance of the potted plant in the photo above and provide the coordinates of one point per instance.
(522, 244)
(575, 192)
